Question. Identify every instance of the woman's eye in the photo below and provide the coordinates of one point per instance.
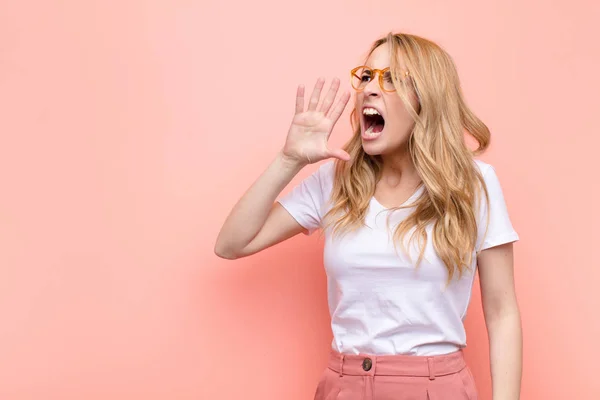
(365, 78)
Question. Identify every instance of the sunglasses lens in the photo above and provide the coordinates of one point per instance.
(361, 77)
(387, 82)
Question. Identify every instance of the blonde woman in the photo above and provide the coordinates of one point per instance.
(408, 215)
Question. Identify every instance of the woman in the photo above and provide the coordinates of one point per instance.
(408, 215)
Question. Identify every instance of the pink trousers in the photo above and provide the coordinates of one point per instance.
(396, 377)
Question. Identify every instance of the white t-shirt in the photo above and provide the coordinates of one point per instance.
(379, 302)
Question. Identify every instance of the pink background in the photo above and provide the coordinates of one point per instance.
(129, 129)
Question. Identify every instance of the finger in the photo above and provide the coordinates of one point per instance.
(339, 154)
(338, 109)
(300, 99)
(314, 99)
(335, 84)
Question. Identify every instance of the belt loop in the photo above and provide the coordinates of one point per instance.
(430, 366)
(341, 364)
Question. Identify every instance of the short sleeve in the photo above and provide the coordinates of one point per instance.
(306, 201)
(500, 229)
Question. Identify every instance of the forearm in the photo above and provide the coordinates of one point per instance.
(505, 336)
(250, 212)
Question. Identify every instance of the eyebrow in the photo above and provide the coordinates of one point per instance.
(370, 67)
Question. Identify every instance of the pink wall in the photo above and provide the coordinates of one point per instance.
(129, 130)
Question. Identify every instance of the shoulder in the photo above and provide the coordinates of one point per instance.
(325, 174)
(318, 183)
(324, 178)
(327, 169)
(484, 167)
(491, 181)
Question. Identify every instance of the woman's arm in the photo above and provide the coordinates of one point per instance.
(257, 222)
(503, 320)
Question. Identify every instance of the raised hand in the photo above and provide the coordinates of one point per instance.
(310, 130)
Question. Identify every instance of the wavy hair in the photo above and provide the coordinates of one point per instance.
(438, 149)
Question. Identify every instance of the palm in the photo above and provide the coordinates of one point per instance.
(310, 129)
(309, 134)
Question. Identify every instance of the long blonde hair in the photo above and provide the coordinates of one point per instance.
(437, 147)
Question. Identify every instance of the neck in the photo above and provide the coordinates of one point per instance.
(399, 170)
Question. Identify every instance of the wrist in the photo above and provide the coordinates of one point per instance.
(290, 163)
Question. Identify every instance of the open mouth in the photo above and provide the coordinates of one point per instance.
(373, 122)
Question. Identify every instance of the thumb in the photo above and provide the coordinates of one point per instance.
(340, 154)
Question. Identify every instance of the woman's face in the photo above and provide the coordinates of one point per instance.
(389, 131)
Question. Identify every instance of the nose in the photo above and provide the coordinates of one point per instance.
(372, 88)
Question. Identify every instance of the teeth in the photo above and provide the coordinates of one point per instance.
(369, 132)
(370, 111)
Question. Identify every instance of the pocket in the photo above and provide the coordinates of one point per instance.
(327, 385)
(468, 383)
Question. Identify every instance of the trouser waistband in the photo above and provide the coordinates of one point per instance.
(397, 365)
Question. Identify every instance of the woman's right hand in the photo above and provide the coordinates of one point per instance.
(307, 138)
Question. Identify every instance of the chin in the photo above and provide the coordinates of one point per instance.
(381, 147)
(372, 148)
